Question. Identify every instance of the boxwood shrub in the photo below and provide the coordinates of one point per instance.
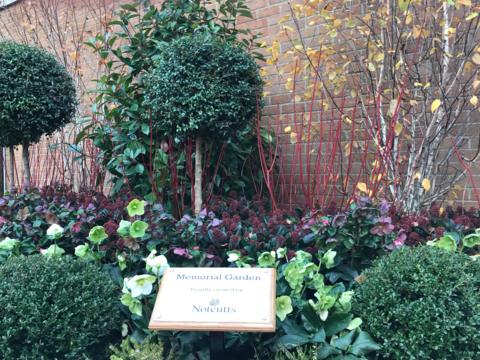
(422, 303)
(58, 308)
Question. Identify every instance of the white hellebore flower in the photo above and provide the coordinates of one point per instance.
(55, 231)
(156, 264)
(140, 284)
(233, 256)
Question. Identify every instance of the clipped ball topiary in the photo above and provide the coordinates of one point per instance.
(422, 303)
(202, 86)
(37, 97)
(58, 308)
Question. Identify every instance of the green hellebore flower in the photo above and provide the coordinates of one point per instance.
(134, 305)
(309, 269)
(156, 264)
(471, 240)
(303, 256)
(233, 256)
(122, 262)
(281, 253)
(140, 284)
(97, 234)
(329, 258)
(344, 302)
(266, 259)
(55, 232)
(82, 251)
(136, 207)
(53, 251)
(9, 244)
(283, 306)
(446, 242)
(138, 228)
(294, 276)
(124, 228)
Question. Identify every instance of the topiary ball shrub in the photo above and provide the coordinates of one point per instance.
(201, 86)
(57, 308)
(422, 303)
(37, 95)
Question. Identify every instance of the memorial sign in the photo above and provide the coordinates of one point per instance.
(216, 299)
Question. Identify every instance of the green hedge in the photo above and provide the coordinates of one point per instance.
(58, 308)
(422, 303)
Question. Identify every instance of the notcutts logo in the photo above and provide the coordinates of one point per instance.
(214, 306)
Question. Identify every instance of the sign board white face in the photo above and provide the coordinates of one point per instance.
(216, 299)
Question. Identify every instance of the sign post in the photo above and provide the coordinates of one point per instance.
(216, 300)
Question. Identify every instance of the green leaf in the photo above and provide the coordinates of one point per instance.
(319, 336)
(336, 323)
(291, 328)
(364, 344)
(327, 350)
(355, 323)
(291, 341)
(311, 315)
(403, 4)
(343, 342)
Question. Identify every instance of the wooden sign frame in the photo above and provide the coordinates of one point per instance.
(210, 325)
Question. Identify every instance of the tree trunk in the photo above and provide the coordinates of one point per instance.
(12, 167)
(26, 165)
(198, 175)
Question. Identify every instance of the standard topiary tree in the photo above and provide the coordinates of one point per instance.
(202, 87)
(422, 303)
(37, 97)
(56, 308)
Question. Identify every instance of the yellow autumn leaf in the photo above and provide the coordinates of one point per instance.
(464, 2)
(435, 105)
(472, 16)
(476, 58)
(283, 19)
(362, 187)
(293, 138)
(398, 128)
(426, 184)
(371, 67)
(379, 57)
(287, 129)
(474, 100)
